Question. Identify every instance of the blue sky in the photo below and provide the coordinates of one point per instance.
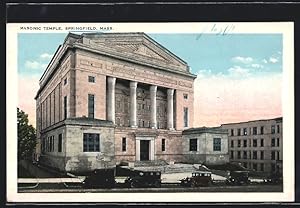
(209, 52)
(239, 76)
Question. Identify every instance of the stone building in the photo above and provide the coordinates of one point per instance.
(256, 144)
(205, 145)
(107, 98)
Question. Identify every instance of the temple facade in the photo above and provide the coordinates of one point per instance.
(112, 97)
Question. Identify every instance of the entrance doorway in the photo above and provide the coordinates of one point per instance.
(144, 148)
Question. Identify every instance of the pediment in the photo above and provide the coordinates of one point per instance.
(137, 47)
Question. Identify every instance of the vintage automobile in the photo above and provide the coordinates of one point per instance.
(100, 178)
(200, 178)
(144, 179)
(238, 178)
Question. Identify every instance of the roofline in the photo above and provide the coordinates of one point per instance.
(188, 74)
(147, 37)
(277, 118)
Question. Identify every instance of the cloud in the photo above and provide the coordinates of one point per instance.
(257, 66)
(46, 56)
(273, 60)
(237, 71)
(221, 99)
(265, 61)
(244, 60)
(35, 65)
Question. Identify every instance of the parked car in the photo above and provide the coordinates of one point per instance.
(238, 177)
(200, 178)
(100, 178)
(275, 177)
(144, 179)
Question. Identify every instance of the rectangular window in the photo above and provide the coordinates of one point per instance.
(239, 143)
(273, 142)
(231, 154)
(91, 101)
(238, 154)
(65, 107)
(91, 142)
(262, 155)
(217, 144)
(272, 129)
(193, 144)
(239, 132)
(124, 144)
(185, 96)
(262, 167)
(232, 132)
(273, 155)
(254, 142)
(255, 166)
(59, 148)
(185, 116)
(262, 142)
(278, 129)
(255, 155)
(163, 145)
(65, 81)
(245, 142)
(278, 155)
(273, 167)
(254, 130)
(245, 131)
(261, 130)
(92, 79)
(278, 142)
(244, 154)
(232, 143)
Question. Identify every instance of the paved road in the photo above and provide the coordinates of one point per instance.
(249, 188)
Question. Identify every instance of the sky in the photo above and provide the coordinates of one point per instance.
(239, 76)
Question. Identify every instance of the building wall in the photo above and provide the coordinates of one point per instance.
(249, 161)
(72, 158)
(71, 80)
(84, 87)
(205, 152)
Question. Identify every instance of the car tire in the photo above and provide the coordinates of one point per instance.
(157, 184)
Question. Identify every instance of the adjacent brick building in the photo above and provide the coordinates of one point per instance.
(256, 144)
(107, 98)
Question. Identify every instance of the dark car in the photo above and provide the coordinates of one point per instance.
(238, 178)
(144, 179)
(200, 178)
(100, 178)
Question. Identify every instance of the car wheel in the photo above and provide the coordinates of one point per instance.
(193, 184)
(133, 184)
(157, 184)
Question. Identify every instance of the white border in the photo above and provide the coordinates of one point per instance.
(284, 28)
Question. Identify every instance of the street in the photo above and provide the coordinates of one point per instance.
(166, 188)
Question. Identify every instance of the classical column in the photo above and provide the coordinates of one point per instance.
(133, 86)
(170, 109)
(110, 107)
(153, 90)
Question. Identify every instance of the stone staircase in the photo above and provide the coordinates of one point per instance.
(150, 163)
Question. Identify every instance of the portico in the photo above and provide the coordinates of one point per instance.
(152, 108)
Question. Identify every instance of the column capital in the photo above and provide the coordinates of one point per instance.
(111, 80)
(133, 84)
(170, 92)
(153, 88)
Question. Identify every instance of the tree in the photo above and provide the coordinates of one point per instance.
(26, 136)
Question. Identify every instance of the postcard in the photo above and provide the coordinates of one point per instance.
(150, 112)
